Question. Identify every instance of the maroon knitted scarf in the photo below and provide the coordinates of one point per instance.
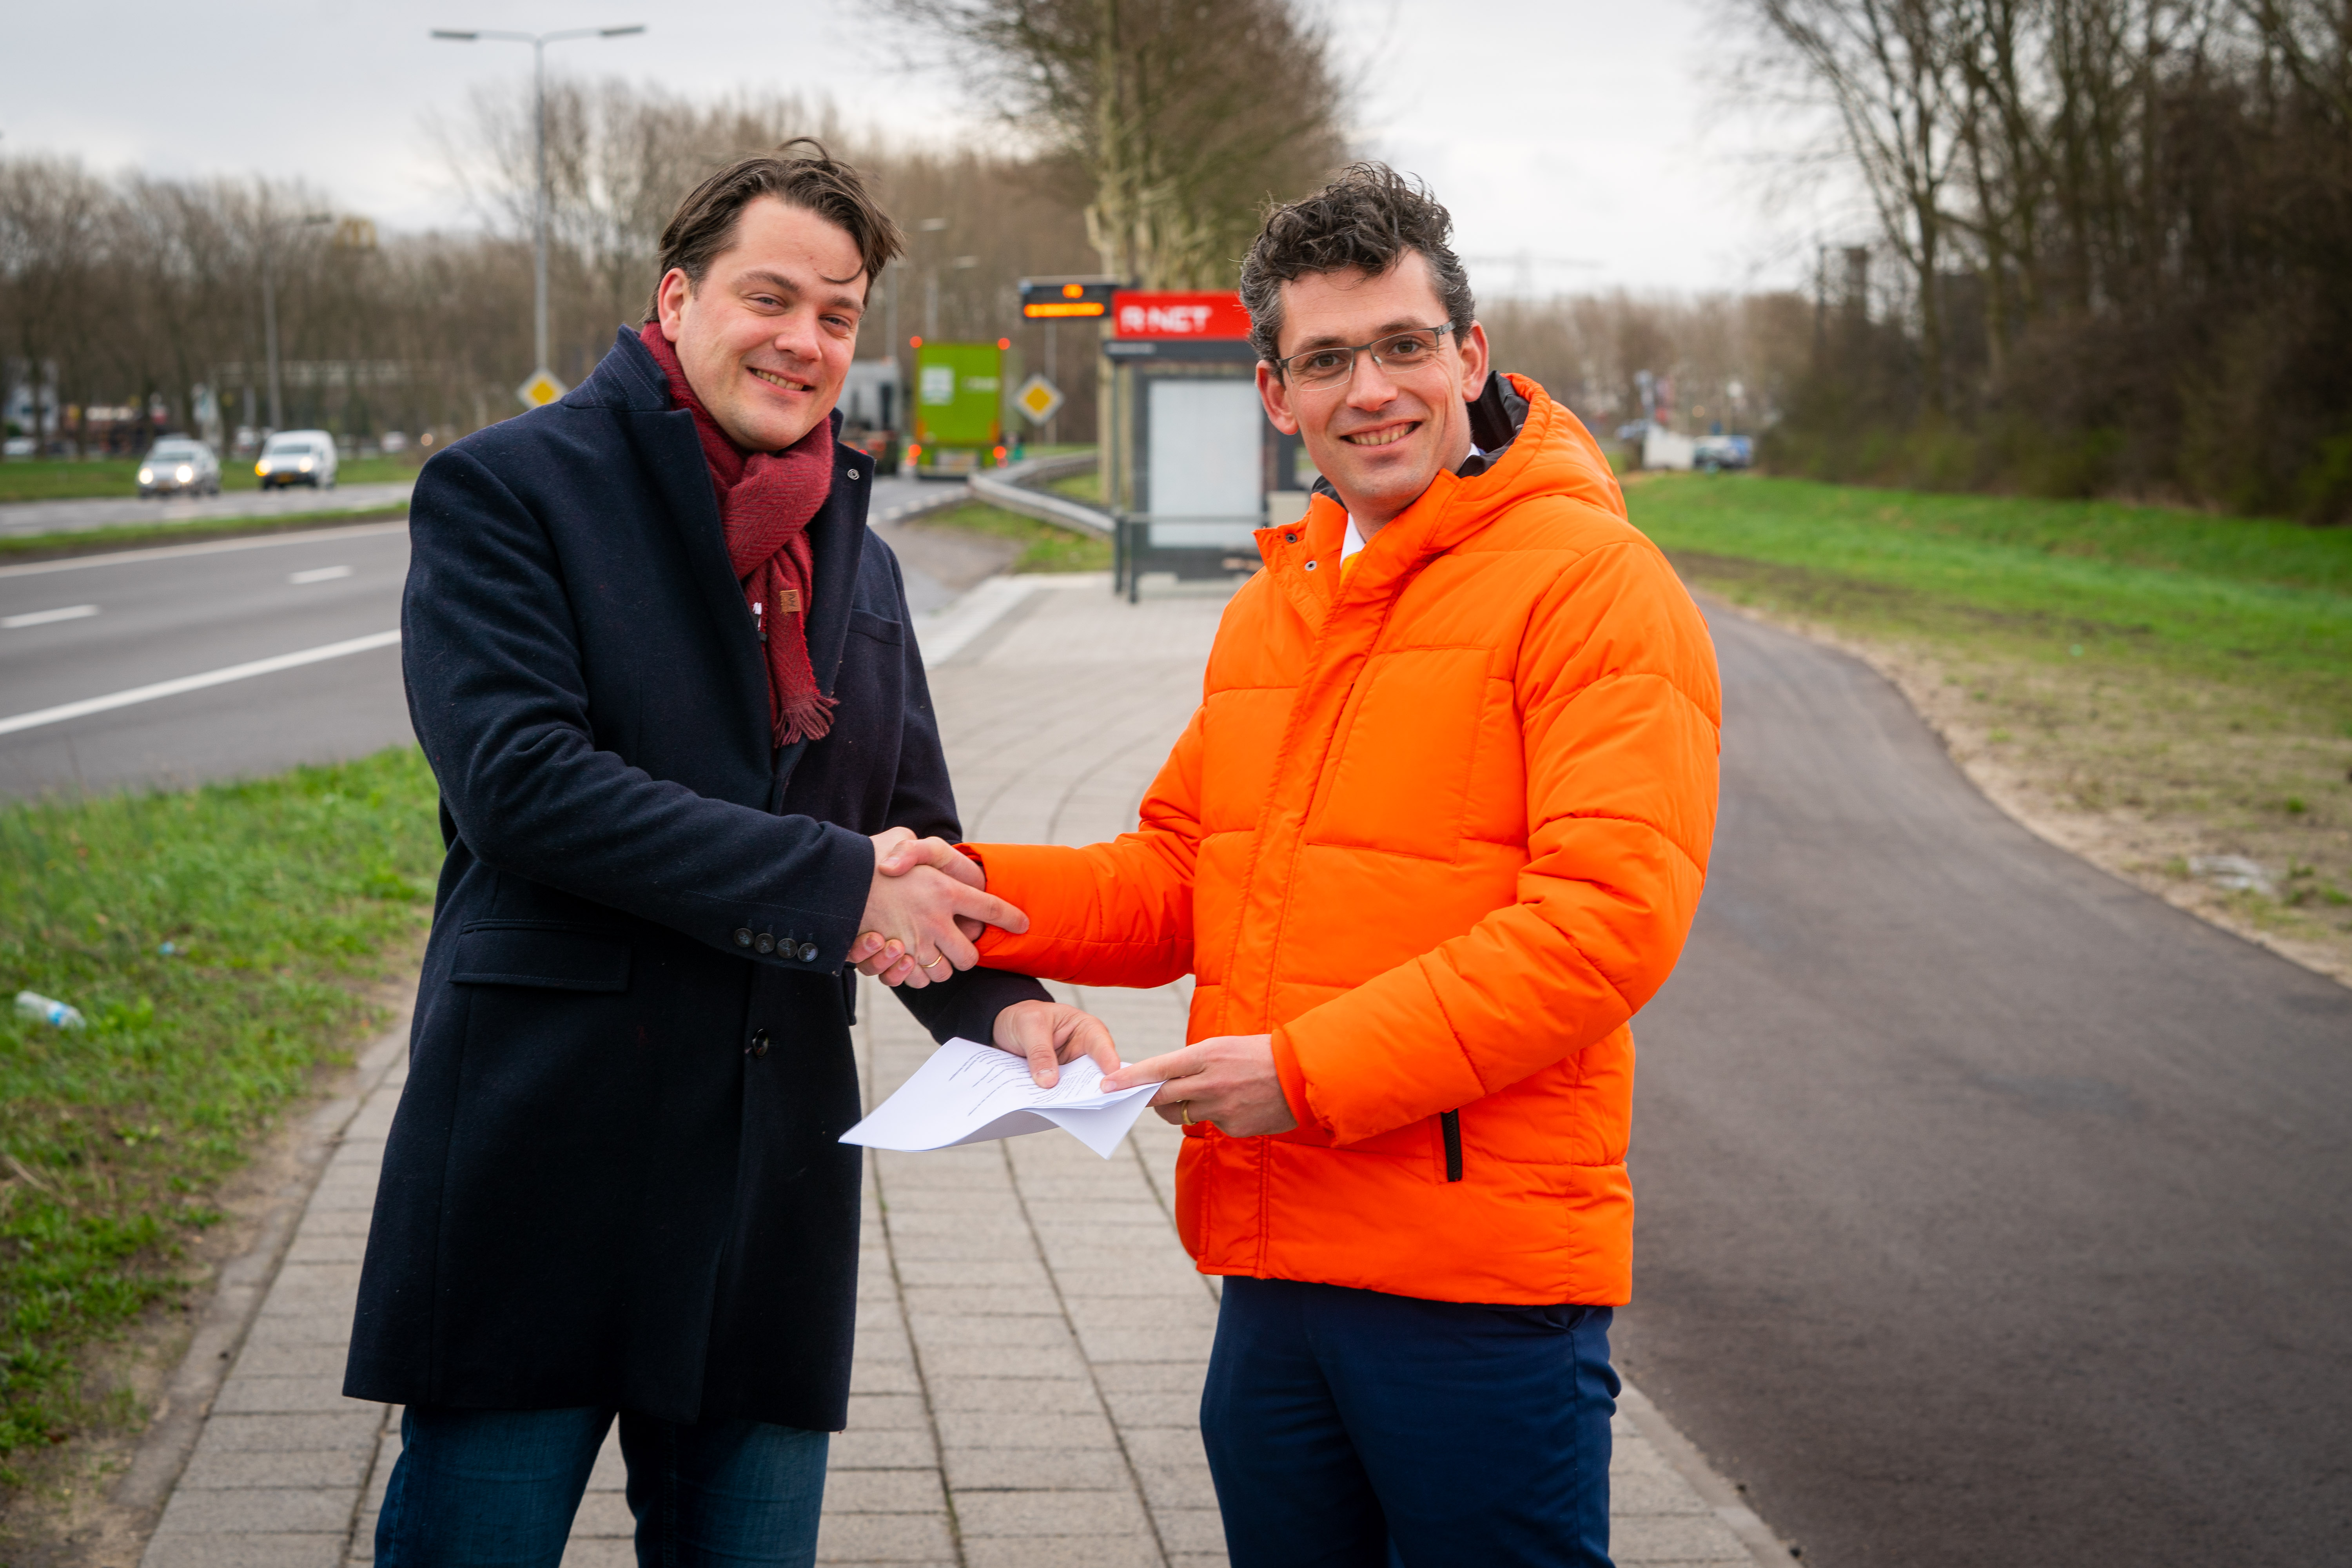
(765, 501)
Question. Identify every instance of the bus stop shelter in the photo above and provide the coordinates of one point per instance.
(1190, 459)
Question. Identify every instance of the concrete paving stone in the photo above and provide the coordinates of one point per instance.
(604, 1513)
(1068, 1213)
(885, 1538)
(355, 1429)
(1646, 1492)
(946, 1247)
(1190, 1529)
(1061, 1551)
(985, 1200)
(934, 1328)
(345, 1199)
(995, 1361)
(259, 1510)
(1035, 1301)
(884, 1491)
(1025, 1269)
(364, 1537)
(303, 1328)
(316, 1277)
(334, 1222)
(213, 1469)
(290, 1360)
(610, 1471)
(1153, 1279)
(283, 1395)
(1131, 1409)
(1034, 1396)
(914, 1222)
(320, 1551)
(1189, 1309)
(879, 1376)
(1112, 1512)
(1668, 1538)
(326, 1247)
(1009, 1429)
(1035, 1470)
(604, 1552)
(1189, 1344)
(1197, 1559)
(887, 1411)
(883, 1448)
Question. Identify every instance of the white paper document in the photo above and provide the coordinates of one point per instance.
(970, 1093)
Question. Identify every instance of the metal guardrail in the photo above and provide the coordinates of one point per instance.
(1009, 488)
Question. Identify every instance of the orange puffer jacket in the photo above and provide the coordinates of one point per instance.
(1441, 830)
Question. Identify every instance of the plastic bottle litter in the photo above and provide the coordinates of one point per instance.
(49, 1010)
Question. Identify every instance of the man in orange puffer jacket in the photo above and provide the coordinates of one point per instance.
(1435, 833)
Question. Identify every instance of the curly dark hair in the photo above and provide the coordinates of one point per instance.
(1368, 218)
(704, 224)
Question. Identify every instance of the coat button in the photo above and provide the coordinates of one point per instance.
(759, 1045)
(1290, 539)
(742, 936)
(766, 943)
(808, 953)
(1310, 566)
(853, 473)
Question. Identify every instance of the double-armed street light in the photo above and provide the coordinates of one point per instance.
(537, 42)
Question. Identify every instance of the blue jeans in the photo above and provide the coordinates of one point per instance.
(498, 1488)
(1356, 1429)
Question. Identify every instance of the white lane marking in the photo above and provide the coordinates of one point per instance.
(319, 574)
(43, 618)
(209, 547)
(270, 666)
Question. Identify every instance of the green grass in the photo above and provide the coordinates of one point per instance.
(2183, 682)
(278, 898)
(70, 478)
(2218, 598)
(1084, 486)
(1045, 547)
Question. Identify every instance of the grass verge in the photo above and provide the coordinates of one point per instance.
(1084, 487)
(1045, 547)
(215, 941)
(80, 478)
(2146, 686)
(131, 536)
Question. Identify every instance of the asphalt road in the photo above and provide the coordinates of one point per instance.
(98, 628)
(19, 518)
(1992, 1211)
(101, 627)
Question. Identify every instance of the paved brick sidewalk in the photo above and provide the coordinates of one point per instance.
(1031, 1337)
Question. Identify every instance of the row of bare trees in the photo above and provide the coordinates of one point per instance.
(2120, 231)
(132, 293)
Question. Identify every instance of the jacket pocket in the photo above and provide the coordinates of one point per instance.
(551, 955)
(881, 628)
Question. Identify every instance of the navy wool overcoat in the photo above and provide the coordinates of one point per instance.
(615, 1175)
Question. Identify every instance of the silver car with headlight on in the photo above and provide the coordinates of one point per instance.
(179, 464)
(298, 458)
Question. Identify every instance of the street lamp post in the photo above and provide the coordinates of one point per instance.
(537, 42)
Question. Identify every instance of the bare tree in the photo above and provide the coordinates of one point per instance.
(1175, 119)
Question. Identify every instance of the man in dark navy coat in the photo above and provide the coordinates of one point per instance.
(668, 683)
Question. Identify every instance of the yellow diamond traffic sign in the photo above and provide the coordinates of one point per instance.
(541, 389)
(1038, 398)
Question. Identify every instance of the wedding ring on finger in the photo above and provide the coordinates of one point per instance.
(1188, 1112)
(936, 959)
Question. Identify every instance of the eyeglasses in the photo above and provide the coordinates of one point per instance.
(1397, 352)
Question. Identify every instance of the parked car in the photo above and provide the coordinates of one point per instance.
(298, 458)
(1714, 454)
(179, 464)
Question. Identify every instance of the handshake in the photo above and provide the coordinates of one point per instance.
(924, 914)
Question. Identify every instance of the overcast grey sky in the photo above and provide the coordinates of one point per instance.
(1570, 130)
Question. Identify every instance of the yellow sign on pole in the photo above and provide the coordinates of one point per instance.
(1037, 398)
(541, 389)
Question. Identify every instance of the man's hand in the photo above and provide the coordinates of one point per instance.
(896, 853)
(1051, 1033)
(929, 912)
(1228, 1080)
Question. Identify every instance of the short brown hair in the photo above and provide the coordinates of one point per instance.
(1368, 219)
(704, 224)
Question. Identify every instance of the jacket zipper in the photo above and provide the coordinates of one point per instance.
(1450, 1123)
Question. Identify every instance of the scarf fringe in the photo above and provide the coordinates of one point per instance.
(805, 719)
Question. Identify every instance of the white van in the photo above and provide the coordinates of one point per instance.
(298, 458)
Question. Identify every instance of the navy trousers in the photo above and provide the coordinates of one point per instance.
(1358, 1429)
